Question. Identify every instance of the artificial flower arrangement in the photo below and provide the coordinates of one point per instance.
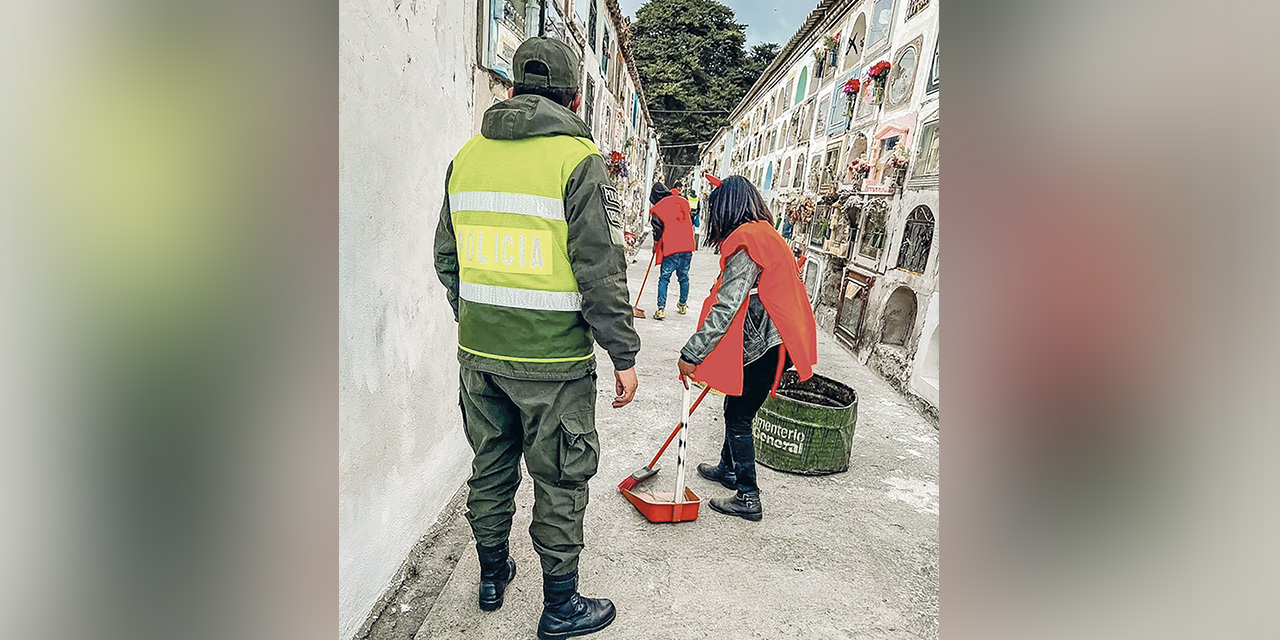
(801, 209)
(878, 77)
(860, 167)
(618, 165)
(850, 90)
(832, 45)
(900, 158)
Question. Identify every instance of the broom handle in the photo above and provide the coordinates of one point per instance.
(677, 430)
(640, 293)
(684, 426)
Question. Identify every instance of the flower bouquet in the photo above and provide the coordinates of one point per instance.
(859, 168)
(832, 44)
(800, 210)
(898, 163)
(618, 165)
(850, 90)
(900, 158)
(878, 77)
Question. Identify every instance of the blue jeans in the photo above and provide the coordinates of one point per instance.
(677, 263)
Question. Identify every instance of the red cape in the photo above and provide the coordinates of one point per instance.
(677, 227)
(784, 298)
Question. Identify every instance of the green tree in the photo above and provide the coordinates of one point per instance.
(691, 57)
(757, 59)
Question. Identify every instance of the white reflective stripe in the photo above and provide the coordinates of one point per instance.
(521, 203)
(520, 298)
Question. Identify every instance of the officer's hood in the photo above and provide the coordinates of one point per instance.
(529, 116)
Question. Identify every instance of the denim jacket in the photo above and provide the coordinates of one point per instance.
(741, 276)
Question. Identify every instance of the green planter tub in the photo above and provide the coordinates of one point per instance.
(808, 427)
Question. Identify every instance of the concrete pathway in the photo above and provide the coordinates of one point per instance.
(850, 555)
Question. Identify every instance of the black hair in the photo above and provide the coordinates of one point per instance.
(562, 96)
(734, 203)
(677, 185)
(657, 193)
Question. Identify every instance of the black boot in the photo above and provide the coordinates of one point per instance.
(496, 570)
(746, 504)
(715, 473)
(566, 614)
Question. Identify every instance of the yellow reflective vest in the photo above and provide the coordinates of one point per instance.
(518, 300)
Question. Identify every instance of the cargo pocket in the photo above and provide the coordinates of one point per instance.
(579, 447)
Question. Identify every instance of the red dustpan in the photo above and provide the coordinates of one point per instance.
(664, 507)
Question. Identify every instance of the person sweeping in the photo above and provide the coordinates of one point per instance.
(673, 243)
(755, 324)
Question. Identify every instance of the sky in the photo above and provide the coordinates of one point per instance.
(766, 20)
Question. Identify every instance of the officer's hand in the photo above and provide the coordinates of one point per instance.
(626, 387)
(686, 367)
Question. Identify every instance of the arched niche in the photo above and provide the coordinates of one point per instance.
(899, 317)
(802, 85)
(797, 179)
(856, 41)
(917, 240)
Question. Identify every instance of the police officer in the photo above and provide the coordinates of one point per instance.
(530, 249)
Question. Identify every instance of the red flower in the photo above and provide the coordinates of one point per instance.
(879, 69)
(852, 86)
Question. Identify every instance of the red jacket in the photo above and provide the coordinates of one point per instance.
(784, 298)
(677, 227)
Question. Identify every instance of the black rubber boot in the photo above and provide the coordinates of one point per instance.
(496, 570)
(745, 504)
(715, 473)
(566, 614)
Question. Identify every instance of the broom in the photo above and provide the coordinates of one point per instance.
(648, 471)
(635, 308)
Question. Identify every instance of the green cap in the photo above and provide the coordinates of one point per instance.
(562, 63)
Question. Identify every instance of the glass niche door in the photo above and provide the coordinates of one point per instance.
(812, 273)
(849, 314)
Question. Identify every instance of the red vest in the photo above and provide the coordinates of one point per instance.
(783, 296)
(677, 226)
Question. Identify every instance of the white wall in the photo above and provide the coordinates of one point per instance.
(924, 377)
(406, 104)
